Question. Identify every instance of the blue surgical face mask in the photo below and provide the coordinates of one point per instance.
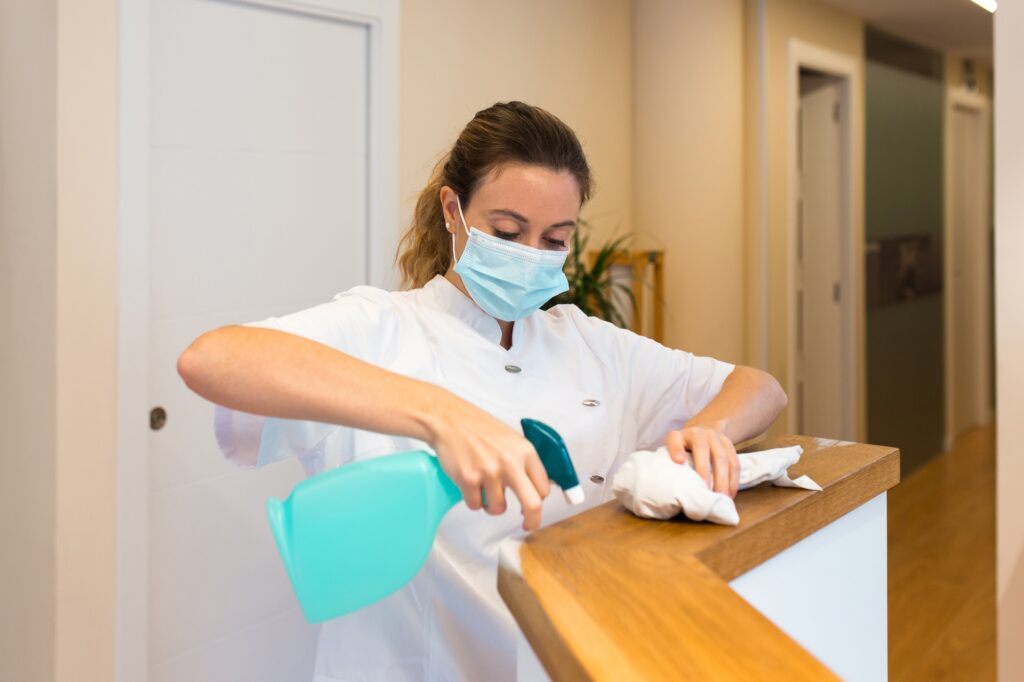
(508, 280)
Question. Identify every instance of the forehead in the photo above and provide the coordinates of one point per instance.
(531, 190)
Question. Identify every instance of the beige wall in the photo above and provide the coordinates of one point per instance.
(571, 57)
(954, 74)
(58, 227)
(824, 27)
(86, 258)
(1009, 283)
(755, 192)
(28, 300)
(688, 165)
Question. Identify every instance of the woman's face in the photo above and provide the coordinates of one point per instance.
(530, 205)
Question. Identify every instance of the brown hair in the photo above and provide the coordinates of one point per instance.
(503, 133)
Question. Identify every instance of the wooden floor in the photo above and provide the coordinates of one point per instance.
(942, 616)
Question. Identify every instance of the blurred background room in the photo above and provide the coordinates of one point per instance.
(830, 190)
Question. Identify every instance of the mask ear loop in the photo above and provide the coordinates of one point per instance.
(452, 232)
(461, 216)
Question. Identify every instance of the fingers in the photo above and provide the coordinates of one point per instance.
(529, 499)
(712, 454)
(495, 497)
(471, 492)
(538, 475)
(720, 463)
(483, 483)
(701, 453)
(529, 482)
(676, 447)
(734, 467)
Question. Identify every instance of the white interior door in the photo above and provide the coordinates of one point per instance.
(258, 206)
(823, 389)
(970, 288)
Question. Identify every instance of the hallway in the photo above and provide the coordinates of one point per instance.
(942, 613)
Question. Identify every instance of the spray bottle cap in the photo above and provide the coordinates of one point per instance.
(574, 495)
(555, 457)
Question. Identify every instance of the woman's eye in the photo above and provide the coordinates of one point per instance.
(556, 242)
(505, 235)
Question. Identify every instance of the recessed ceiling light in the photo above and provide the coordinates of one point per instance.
(990, 5)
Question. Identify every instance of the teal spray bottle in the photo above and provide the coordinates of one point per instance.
(353, 535)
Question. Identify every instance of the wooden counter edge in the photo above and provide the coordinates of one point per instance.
(573, 645)
(553, 651)
(577, 631)
(738, 553)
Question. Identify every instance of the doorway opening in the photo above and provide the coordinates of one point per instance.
(821, 344)
(823, 293)
(968, 239)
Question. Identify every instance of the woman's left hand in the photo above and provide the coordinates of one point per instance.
(712, 452)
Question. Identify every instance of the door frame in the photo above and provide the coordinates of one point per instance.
(958, 97)
(847, 68)
(380, 18)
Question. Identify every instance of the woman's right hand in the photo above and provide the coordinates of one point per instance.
(482, 453)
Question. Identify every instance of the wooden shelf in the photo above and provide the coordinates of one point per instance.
(605, 595)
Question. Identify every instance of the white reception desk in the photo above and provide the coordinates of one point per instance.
(796, 592)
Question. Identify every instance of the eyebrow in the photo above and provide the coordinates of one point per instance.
(523, 219)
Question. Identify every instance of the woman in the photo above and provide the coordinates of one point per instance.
(451, 365)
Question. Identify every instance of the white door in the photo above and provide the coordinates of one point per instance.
(823, 391)
(258, 206)
(970, 288)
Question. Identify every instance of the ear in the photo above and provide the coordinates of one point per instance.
(449, 207)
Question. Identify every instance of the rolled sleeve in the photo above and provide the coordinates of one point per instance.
(359, 322)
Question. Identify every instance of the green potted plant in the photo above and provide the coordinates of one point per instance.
(591, 285)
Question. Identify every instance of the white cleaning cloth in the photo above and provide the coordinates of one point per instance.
(652, 485)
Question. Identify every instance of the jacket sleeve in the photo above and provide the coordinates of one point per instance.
(360, 322)
(665, 386)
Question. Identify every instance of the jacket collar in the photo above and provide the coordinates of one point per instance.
(447, 297)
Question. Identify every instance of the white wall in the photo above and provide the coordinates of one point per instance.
(571, 57)
(688, 159)
(28, 299)
(1009, 283)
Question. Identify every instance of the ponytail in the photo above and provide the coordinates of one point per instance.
(425, 249)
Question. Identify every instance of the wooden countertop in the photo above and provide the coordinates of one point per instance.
(605, 595)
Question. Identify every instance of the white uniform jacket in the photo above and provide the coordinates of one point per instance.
(607, 391)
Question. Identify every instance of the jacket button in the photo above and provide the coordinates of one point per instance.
(597, 478)
(513, 369)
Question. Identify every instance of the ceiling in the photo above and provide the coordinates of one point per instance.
(944, 25)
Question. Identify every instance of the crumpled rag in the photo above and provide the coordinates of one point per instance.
(653, 486)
